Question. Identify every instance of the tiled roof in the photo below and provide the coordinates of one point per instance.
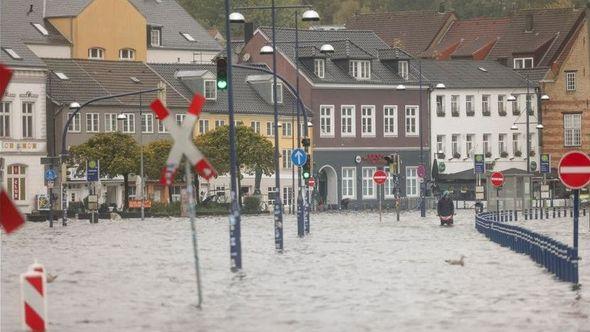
(466, 37)
(88, 79)
(246, 99)
(357, 44)
(471, 74)
(414, 31)
(551, 30)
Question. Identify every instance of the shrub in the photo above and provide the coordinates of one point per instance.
(488, 155)
(517, 154)
(252, 204)
(504, 154)
(456, 155)
(165, 209)
(76, 207)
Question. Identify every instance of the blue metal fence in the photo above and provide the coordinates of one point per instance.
(556, 257)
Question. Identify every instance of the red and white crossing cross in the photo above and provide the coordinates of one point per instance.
(497, 179)
(183, 141)
(574, 170)
(10, 217)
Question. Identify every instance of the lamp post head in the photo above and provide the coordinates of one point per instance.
(441, 86)
(400, 87)
(121, 116)
(540, 126)
(74, 106)
(309, 124)
(265, 50)
(327, 49)
(236, 17)
(545, 97)
(310, 15)
(511, 98)
(514, 127)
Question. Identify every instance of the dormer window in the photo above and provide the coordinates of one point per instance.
(96, 53)
(210, 87)
(319, 67)
(155, 37)
(127, 54)
(360, 69)
(402, 69)
(523, 63)
(279, 93)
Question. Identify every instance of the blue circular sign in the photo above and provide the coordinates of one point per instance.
(50, 175)
(299, 157)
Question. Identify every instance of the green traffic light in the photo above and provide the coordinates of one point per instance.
(221, 84)
(306, 175)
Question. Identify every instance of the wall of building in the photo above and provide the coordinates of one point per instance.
(51, 51)
(179, 56)
(64, 25)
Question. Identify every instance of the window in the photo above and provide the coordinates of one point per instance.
(41, 29)
(75, 125)
(270, 129)
(402, 69)
(161, 128)
(255, 125)
(440, 105)
(412, 181)
(327, 121)
(455, 105)
(147, 123)
(27, 119)
(368, 121)
(288, 195)
(485, 105)
(12, 53)
(287, 158)
(203, 126)
(175, 192)
(515, 106)
(441, 144)
(347, 123)
(502, 145)
(368, 183)
(390, 120)
(389, 185)
(16, 176)
(412, 120)
(469, 147)
(61, 75)
(271, 193)
(126, 54)
(523, 63)
(287, 129)
(92, 120)
(360, 69)
(219, 123)
(570, 81)
(572, 127)
(501, 105)
(455, 146)
(469, 105)
(349, 182)
(180, 119)
(516, 145)
(319, 67)
(279, 93)
(187, 36)
(96, 53)
(210, 89)
(5, 119)
(155, 39)
(110, 122)
(129, 123)
(487, 147)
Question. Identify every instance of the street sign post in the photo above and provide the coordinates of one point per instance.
(380, 176)
(480, 164)
(545, 163)
(299, 157)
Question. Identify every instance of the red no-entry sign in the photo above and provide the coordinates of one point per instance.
(497, 179)
(574, 170)
(380, 177)
(311, 182)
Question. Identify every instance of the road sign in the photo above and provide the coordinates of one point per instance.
(311, 182)
(92, 171)
(380, 177)
(480, 164)
(497, 179)
(574, 170)
(421, 171)
(50, 175)
(545, 163)
(49, 160)
(299, 157)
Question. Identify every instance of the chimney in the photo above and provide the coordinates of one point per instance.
(248, 31)
(44, 7)
(530, 22)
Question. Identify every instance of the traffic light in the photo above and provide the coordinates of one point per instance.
(394, 162)
(306, 142)
(306, 169)
(222, 73)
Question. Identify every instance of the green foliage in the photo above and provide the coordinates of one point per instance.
(165, 209)
(76, 207)
(252, 204)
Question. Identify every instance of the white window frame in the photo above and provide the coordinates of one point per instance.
(368, 125)
(155, 41)
(455, 104)
(28, 119)
(203, 126)
(161, 127)
(516, 143)
(502, 105)
(319, 67)
(389, 116)
(440, 105)
(130, 56)
(180, 118)
(469, 145)
(348, 121)
(415, 117)
(110, 122)
(487, 143)
(76, 124)
(270, 129)
(368, 185)
(389, 185)
(403, 69)
(502, 144)
(287, 129)
(441, 144)
(129, 123)
(211, 91)
(485, 105)
(360, 69)
(349, 182)
(570, 81)
(255, 125)
(147, 123)
(455, 144)
(219, 123)
(572, 129)
(99, 53)
(326, 121)
(287, 163)
(523, 63)
(92, 122)
(412, 186)
(470, 105)
(5, 107)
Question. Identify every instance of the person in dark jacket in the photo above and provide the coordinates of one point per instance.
(445, 205)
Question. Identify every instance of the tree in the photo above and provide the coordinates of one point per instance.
(255, 152)
(118, 155)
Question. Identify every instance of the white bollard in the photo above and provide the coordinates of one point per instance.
(34, 301)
